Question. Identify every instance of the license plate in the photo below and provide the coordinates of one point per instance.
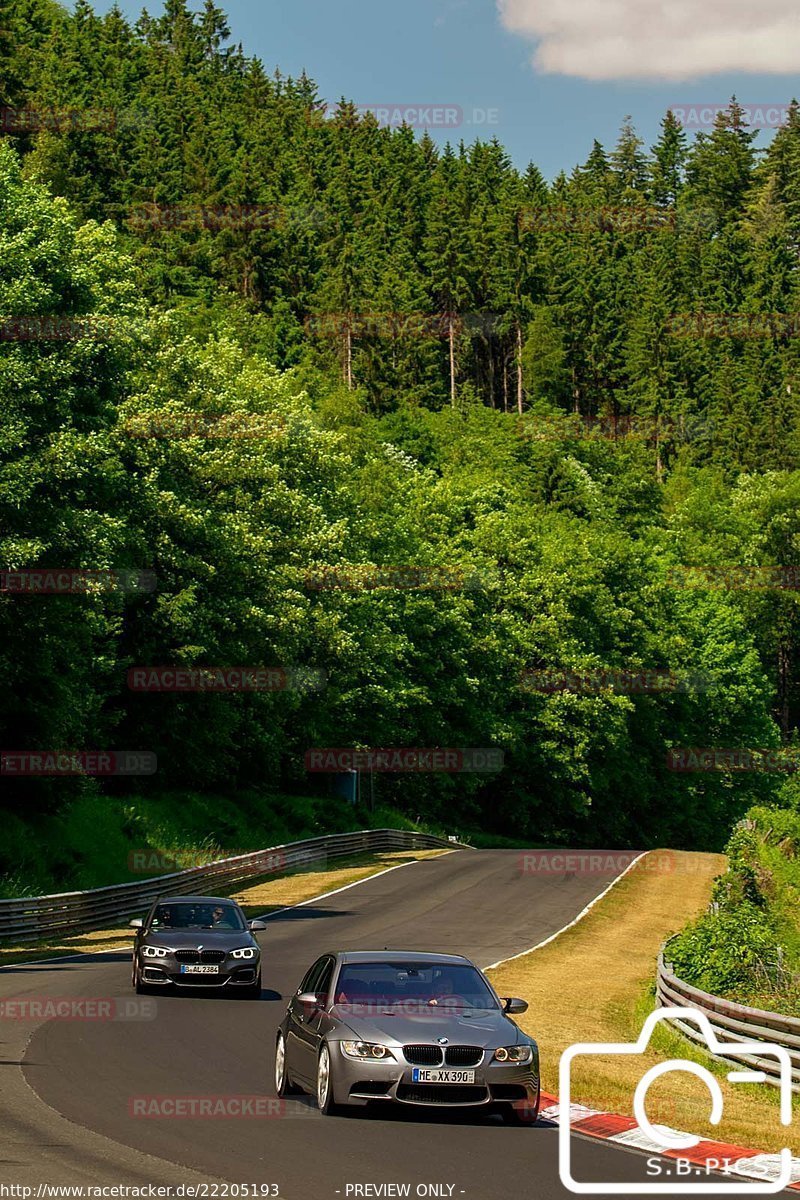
(196, 970)
(420, 1075)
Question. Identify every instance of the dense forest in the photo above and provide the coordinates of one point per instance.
(249, 344)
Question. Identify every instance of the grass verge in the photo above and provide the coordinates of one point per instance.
(595, 983)
(96, 841)
(264, 895)
(748, 948)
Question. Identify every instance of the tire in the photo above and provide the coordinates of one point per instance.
(253, 992)
(324, 1088)
(283, 1084)
(140, 988)
(521, 1112)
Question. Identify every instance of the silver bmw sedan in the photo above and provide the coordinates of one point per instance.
(406, 1028)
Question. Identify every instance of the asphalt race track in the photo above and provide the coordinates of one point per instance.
(66, 1086)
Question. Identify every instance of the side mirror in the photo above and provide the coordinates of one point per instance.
(513, 1005)
(256, 925)
(137, 924)
(313, 1000)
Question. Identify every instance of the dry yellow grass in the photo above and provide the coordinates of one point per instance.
(277, 891)
(262, 896)
(594, 984)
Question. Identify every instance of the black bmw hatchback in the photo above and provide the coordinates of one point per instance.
(197, 941)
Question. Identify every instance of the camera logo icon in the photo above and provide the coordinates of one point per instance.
(670, 1141)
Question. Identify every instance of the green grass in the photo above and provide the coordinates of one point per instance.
(93, 842)
(495, 841)
(748, 947)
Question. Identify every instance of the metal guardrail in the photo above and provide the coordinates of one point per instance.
(733, 1022)
(34, 918)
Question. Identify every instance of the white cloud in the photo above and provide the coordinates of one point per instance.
(657, 39)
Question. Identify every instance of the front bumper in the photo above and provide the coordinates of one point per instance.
(358, 1082)
(166, 972)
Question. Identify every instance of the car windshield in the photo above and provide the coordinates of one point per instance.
(197, 916)
(414, 985)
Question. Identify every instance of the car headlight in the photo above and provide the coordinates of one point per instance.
(366, 1050)
(513, 1054)
(245, 952)
(154, 952)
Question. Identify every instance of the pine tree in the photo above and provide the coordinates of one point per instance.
(214, 32)
(628, 163)
(593, 182)
(649, 353)
(668, 162)
(447, 251)
(720, 165)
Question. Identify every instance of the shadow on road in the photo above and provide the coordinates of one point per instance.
(305, 1108)
(201, 993)
(309, 913)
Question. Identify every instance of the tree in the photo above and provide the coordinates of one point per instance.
(446, 251)
(628, 162)
(720, 165)
(64, 497)
(668, 162)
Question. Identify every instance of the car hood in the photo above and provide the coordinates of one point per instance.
(486, 1029)
(209, 939)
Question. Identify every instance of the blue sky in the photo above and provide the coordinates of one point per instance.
(474, 60)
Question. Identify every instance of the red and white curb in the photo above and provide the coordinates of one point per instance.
(624, 1131)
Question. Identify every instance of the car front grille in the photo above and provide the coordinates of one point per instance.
(434, 1056)
(196, 956)
(463, 1056)
(424, 1056)
(441, 1093)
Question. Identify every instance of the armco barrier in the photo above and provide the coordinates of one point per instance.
(43, 916)
(733, 1022)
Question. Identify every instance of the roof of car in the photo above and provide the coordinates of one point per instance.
(196, 900)
(400, 956)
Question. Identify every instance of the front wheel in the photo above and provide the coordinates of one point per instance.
(325, 1084)
(283, 1085)
(136, 980)
(254, 991)
(521, 1112)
